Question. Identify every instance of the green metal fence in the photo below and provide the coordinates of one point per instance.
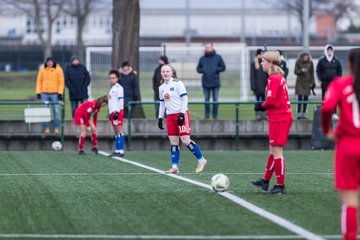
(236, 111)
(16, 111)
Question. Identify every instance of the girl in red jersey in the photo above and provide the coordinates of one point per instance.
(278, 111)
(86, 116)
(344, 92)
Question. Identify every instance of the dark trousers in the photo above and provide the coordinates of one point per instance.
(302, 98)
(75, 104)
(215, 94)
(324, 86)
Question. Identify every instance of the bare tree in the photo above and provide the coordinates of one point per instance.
(80, 9)
(125, 42)
(39, 10)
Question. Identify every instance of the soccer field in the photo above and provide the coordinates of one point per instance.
(63, 195)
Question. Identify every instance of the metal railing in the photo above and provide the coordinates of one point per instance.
(13, 113)
(236, 109)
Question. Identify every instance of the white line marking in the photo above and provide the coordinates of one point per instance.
(105, 236)
(251, 207)
(138, 173)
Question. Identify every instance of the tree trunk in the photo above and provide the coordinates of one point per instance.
(79, 39)
(125, 43)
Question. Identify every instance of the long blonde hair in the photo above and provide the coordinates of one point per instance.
(274, 58)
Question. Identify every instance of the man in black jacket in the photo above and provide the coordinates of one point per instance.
(77, 80)
(156, 81)
(211, 65)
(128, 80)
(327, 69)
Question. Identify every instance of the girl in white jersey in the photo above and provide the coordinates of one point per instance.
(116, 112)
(173, 98)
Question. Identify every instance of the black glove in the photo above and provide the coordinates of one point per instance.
(312, 87)
(181, 119)
(258, 107)
(38, 96)
(160, 123)
(116, 116)
(60, 97)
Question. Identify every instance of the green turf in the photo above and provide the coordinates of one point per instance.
(62, 192)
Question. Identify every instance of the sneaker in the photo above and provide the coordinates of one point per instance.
(56, 131)
(261, 183)
(335, 117)
(47, 131)
(95, 150)
(201, 165)
(116, 154)
(172, 171)
(82, 153)
(277, 189)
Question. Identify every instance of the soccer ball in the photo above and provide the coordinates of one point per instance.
(219, 182)
(56, 146)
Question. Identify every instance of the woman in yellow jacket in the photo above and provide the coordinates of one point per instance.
(50, 88)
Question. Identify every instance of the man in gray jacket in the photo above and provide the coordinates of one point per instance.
(210, 66)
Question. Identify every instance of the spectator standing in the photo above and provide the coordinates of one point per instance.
(77, 80)
(305, 81)
(278, 111)
(258, 79)
(128, 80)
(210, 66)
(327, 69)
(283, 64)
(50, 88)
(156, 81)
(344, 92)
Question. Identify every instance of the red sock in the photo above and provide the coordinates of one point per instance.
(349, 222)
(81, 143)
(94, 140)
(279, 167)
(269, 168)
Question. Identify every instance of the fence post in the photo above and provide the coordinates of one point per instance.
(237, 122)
(129, 124)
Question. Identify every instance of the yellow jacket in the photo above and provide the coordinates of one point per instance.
(50, 80)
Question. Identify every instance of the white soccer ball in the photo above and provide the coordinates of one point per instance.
(220, 182)
(56, 146)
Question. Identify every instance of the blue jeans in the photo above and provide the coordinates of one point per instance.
(75, 104)
(215, 94)
(52, 97)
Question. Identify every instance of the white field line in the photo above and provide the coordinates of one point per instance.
(105, 236)
(140, 173)
(251, 207)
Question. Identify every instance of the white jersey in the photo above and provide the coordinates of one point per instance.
(172, 95)
(116, 98)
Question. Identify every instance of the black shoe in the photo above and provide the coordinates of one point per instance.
(115, 154)
(82, 153)
(261, 183)
(95, 150)
(277, 189)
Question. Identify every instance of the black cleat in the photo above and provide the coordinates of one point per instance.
(82, 153)
(95, 150)
(277, 189)
(261, 183)
(115, 154)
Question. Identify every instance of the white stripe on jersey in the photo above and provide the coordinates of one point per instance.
(171, 94)
(116, 98)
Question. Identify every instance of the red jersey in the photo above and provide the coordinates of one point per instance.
(277, 102)
(85, 111)
(341, 92)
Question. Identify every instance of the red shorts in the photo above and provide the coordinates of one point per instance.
(119, 121)
(173, 128)
(81, 120)
(279, 132)
(347, 164)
